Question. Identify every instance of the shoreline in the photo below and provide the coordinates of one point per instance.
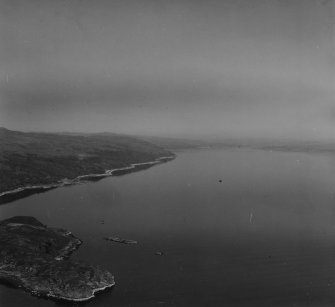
(20, 267)
(85, 299)
(79, 179)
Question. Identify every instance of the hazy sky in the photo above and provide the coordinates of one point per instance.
(169, 67)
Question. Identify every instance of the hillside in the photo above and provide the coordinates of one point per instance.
(45, 158)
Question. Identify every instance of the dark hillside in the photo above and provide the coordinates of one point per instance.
(44, 158)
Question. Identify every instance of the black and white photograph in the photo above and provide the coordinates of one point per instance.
(167, 153)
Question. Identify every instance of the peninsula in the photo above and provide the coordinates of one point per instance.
(34, 257)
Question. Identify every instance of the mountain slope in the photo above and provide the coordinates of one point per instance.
(45, 158)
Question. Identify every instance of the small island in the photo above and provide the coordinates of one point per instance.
(35, 257)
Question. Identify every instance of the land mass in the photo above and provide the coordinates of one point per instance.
(30, 162)
(317, 146)
(34, 257)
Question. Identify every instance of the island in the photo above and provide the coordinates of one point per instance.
(36, 162)
(35, 257)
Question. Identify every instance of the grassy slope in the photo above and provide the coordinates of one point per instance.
(42, 158)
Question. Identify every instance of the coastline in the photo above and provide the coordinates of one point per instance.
(81, 179)
(85, 299)
(29, 247)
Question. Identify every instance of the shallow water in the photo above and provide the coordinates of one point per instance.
(264, 236)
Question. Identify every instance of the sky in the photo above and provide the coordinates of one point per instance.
(183, 68)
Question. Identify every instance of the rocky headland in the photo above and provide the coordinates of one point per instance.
(35, 257)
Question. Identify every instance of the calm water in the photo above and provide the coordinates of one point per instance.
(264, 236)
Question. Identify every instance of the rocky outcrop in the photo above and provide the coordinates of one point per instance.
(120, 240)
(36, 258)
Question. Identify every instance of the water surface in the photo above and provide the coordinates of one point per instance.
(237, 227)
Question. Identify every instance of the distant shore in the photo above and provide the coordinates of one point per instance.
(11, 195)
